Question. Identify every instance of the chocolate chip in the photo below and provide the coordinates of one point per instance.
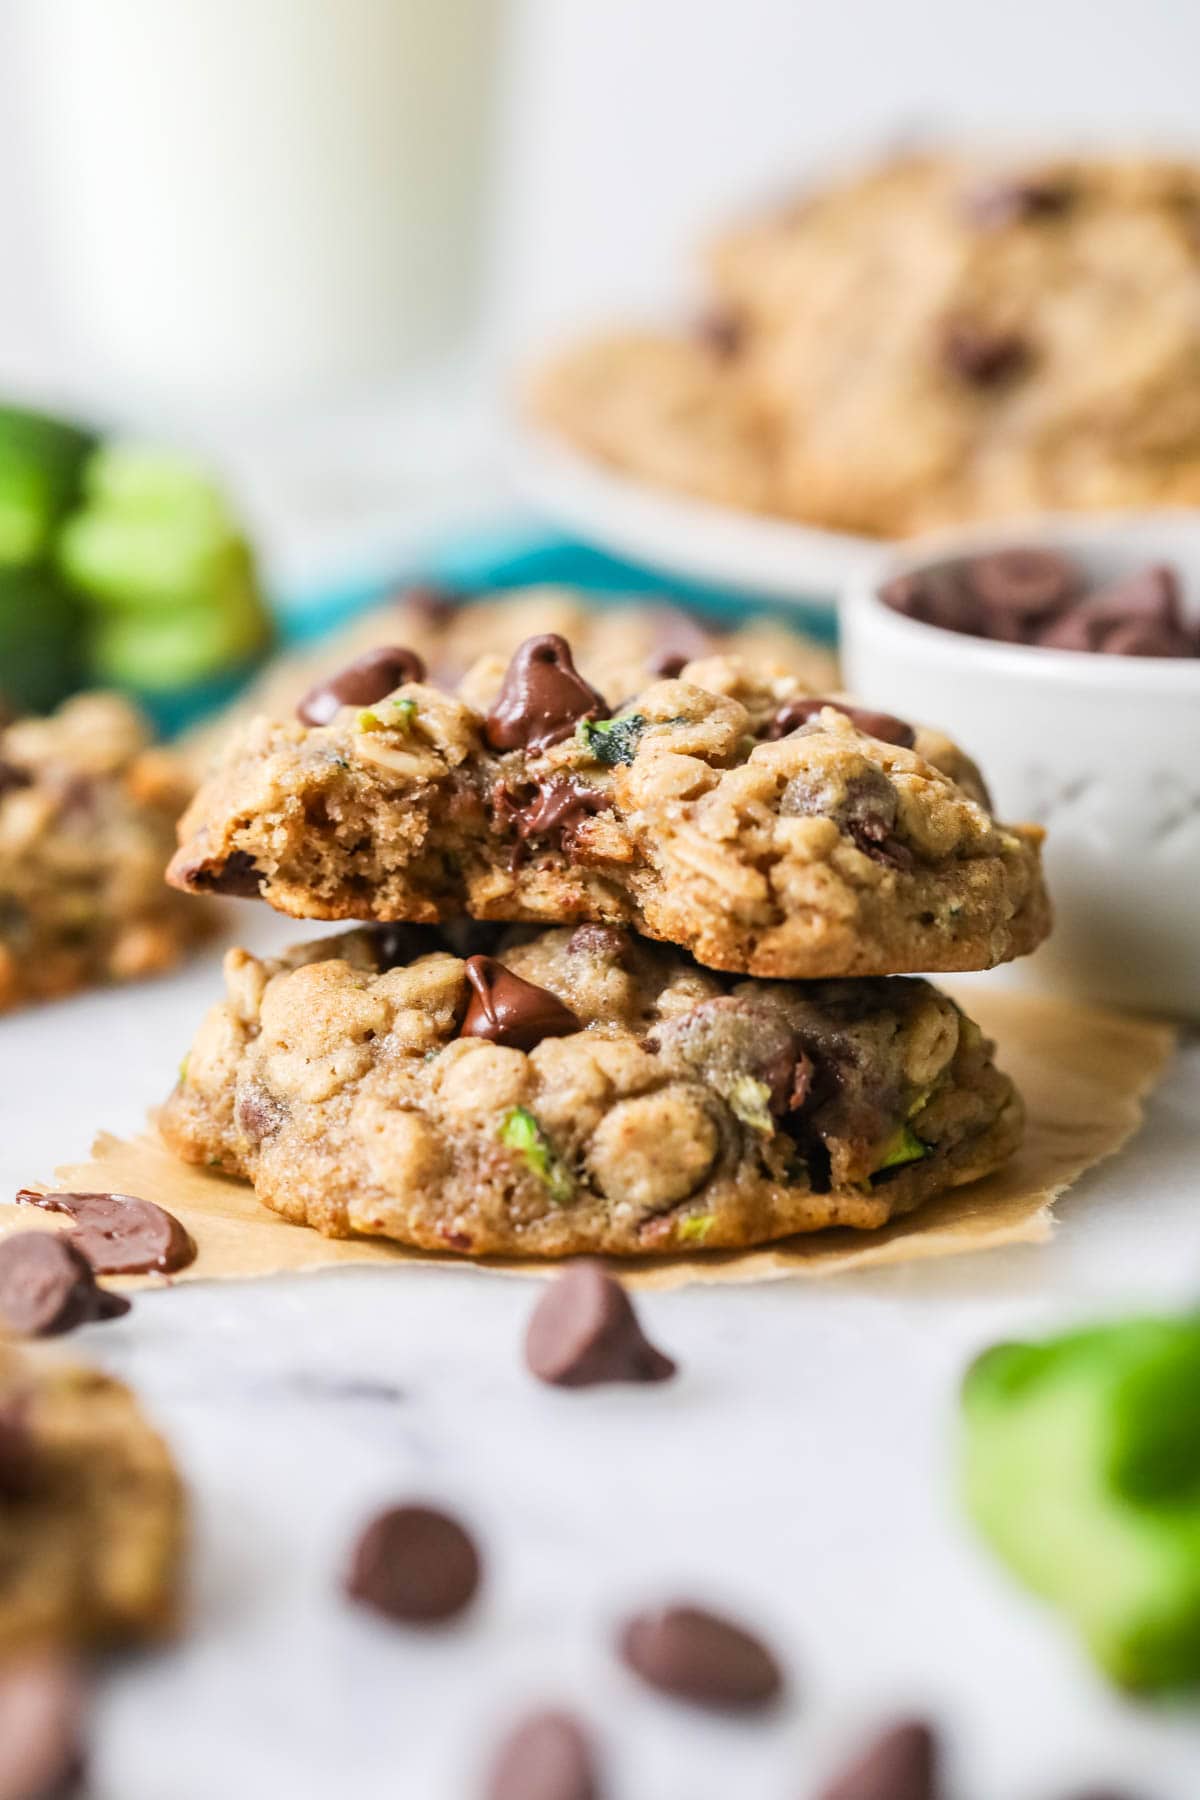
(415, 1565)
(509, 1010)
(18, 1452)
(559, 807)
(47, 1286)
(900, 1765)
(12, 777)
(935, 597)
(397, 944)
(679, 640)
(698, 1656)
(368, 678)
(547, 1757)
(796, 712)
(435, 606)
(1142, 637)
(1015, 200)
(542, 698)
(584, 1331)
(120, 1234)
(41, 1723)
(720, 331)
(608, 943)
(1021, 588)
(238, 876)
(728, 1039)
(981, 355)
(257, 1113)
(865, 806)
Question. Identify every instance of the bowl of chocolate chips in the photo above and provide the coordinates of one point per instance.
(1065, 656)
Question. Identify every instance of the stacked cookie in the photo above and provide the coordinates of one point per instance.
(634, 975)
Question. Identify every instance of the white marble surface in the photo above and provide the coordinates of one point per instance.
(800, 1471)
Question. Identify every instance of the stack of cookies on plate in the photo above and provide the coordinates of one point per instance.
(630, 974)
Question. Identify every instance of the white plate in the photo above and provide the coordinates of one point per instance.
(673, 535)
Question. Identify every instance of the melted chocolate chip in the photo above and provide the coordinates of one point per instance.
(983, 356)
(18, 1452)
(1018, 199)
(547, 1757)
(558, 808)
(41, 1725)
(795, 713)
(119, 1233)
(698, 1656)
(728, 1038)
(584, 1331)
(47, 1286)
(900, 1765)
(415, 1565)
(508, 1010)
(368, 678)
(542, 699)
(13, 777)
(238, 876)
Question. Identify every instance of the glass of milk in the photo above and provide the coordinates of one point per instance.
(249, 201)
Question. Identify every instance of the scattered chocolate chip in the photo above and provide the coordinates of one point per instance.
(41, 1725)
(12, 777)
(797, 712)
(238, 876)
(900, 1765)
(47, 1286)
(720, 331)
(1018, 588)
(368, 678)
(558, 808)
(547, 1757)
(935, 597)
(542, 698)
(983, 356)
(18, 1453)
(584, 1331)
(415, 1565)
(120, 1234)
(1015, 200)
(509, 1010)
(607, 942)
(698, 1656)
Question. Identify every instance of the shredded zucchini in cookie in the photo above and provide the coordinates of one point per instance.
(610, 741)
(521, 1133)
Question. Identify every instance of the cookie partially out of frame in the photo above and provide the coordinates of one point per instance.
(581, 1090)
(91, 1510)
(767, 831)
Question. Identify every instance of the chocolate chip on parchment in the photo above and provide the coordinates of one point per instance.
(901, 1764)
(370, 677)
(41, 1726)
(47, 1286)
(1014, 200)
(509, 1010)
(548, 1756)
(981, 355)
(120, 1234)
(584, 1331)
(798, 711)
(415, 1565)
(543, 697)
(699, 1656)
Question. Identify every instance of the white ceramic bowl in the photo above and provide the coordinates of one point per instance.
(1102, 750)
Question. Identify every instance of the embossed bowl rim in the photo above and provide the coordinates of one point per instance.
(1131, 540)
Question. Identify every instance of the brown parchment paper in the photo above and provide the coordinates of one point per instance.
(1083, 1073)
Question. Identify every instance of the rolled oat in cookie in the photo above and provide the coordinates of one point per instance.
(766, 830)
(623, 1100)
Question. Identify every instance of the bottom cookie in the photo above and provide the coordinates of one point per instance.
(581, 1090)
(91, 1510)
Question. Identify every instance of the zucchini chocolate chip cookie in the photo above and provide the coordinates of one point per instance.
(91, 1511)
(729, 811)
(580, 1090)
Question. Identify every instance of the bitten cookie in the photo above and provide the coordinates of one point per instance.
(581, 1091)
(91, 1510)
(768, 831)
(940, 338)
(87, 817)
